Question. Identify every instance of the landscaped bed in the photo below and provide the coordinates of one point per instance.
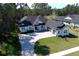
(73, 54)
(50, 45)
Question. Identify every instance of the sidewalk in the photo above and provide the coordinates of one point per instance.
(65, 52)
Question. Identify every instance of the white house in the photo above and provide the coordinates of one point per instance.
(32, 24)
(38, 23)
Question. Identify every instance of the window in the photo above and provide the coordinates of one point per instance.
(65, 31)
(58, 32)
(23, 28)
(36, 28)
(54, 31)
(30, 28)
(42, 27)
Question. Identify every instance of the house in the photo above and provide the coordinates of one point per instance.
(73, 19)
(70, 19)
(32, 24)
(57, 28)
(39, 23)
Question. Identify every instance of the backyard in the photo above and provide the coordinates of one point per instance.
(50, 45)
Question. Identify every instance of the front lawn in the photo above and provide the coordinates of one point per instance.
(55, 44)
(73, 54)
(10, 46)
(49, 45)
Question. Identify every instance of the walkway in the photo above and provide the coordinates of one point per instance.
(65, 52)
(28, 40)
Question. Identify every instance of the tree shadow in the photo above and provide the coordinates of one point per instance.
(68, 36)
(41, 49)
(72, 36)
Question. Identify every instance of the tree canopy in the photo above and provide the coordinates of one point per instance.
(42, 8)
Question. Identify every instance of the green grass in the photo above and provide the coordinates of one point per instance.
(56, 44)
(10, 46)
(73, 54)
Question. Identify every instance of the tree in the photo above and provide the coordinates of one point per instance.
(23, 10)
(41, 9)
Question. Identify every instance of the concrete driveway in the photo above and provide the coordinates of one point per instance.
(28, 40)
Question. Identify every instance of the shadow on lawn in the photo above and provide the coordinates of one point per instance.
(41, 49)
(69, 36)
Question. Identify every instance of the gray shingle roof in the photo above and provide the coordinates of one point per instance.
(60, 18)
(31, 19)
(34, 20)
(75, 18)
(24, 23)
(54, 24)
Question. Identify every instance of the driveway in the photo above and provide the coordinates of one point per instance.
(26, 46)
(28, 40)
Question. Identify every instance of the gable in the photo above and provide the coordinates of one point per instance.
(39, 20)
(30, 19)
(24, 23)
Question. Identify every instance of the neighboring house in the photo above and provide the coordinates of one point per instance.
(70, 19)
(32, 24)
(57, 28)
(73, 19)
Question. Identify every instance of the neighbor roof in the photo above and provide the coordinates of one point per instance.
(68, 18)
(74, 17)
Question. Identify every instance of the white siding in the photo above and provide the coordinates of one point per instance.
(26, 28)
(40, 28)
(63, 31)
(54, 31)
(60, 31)
(30, 28)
